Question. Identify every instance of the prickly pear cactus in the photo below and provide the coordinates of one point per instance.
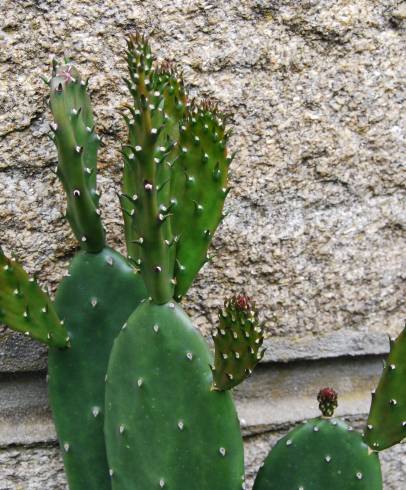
(238, 343)
(25, 308)
(94, 300)
(322, 453)
(386, 424)
(165, 425)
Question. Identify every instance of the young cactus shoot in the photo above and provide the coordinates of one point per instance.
(238, 343)
(77, 145)
(328, 401)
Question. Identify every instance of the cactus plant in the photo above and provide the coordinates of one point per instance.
(93, 302)
(386, 424)
(165, 425)
(163, 414)
(321, 453)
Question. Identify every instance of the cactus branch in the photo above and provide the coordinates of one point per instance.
(77, 145)
(24, 307)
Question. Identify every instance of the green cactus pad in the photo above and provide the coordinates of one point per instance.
(198, 189)
(77, 145)
(165, 426)
(238, 343)
(95, 300)
(387, 416)
(321, 454)
(24, 307)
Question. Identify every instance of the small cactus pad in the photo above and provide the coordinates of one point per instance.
(24, 307)
(238, 343)
(328, 402)
(387, 417)
(95, 300)
(324, 453)
(77, 145)
(165, 426)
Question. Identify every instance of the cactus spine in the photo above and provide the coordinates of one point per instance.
(165, 426)
(322, 453)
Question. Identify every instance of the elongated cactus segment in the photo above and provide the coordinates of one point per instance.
(165, 426)
(77, 145)
(24, 307)
(387, 417)
(198, 189)
(324, 453)
(169, 83)
(146, 175)
(238, 343)
(138, 56)
(328, 401)
(95, 300)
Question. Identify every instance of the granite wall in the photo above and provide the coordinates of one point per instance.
(316, 219)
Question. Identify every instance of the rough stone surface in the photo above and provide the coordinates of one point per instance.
(25, 468)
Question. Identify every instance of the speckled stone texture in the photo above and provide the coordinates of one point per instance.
(317, 216)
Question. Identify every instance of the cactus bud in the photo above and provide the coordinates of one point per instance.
(327, 399)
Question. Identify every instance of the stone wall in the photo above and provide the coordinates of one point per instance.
(316, 219)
